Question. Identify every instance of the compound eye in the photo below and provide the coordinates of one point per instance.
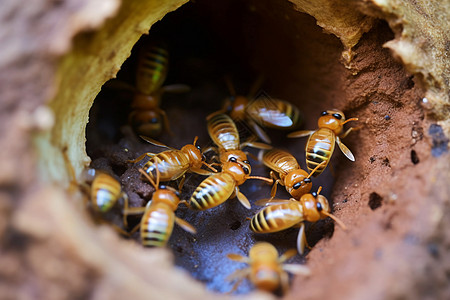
(177, 193)
(246, 170)
(297, 185)
(307, 180)
(162, 187)
(154, 120)
(199, 148)
(337, 116)
(246, 162)
(319, 206)
(314, 194)
(324, 113)
(232, 159)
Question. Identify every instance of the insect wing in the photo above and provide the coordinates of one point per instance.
(241, 197)
(301, 239)
(344, 149)
(269, 112)
(297, 269)
(185, 225)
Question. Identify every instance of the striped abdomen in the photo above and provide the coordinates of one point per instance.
(172, 164)
(274, 218)
(223, 132)
(151, 70)
(157, 225)
(280, 161)
(105, 191)
(319, 148)
(213, 191)
(274, 113)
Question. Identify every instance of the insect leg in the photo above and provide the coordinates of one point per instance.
(238, 275)
(141, 157)
(277, 181)
(286, 255)
(180, 185)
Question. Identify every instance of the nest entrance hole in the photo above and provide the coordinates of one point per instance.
(241, 39)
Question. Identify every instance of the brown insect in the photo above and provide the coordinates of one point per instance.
(224, 133)
(159, 215)
(173, 163)
(283, 214)
(147, 118)
(262, 111)
(286, 171)
(104, 191)
(217, 188)
(320, 145)
(266, 270)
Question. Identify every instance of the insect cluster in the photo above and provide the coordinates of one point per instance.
(225, 169)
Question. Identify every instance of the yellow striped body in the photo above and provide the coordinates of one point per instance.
(273, 113)
(105, 191)
(172, 164)
(274, 218)
(213, 191)
(280, 161)
(223, 132)
(265, 268)
(151, 70)
(157, 225)
(319, 148)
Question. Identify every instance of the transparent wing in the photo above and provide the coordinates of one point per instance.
(185, 225)
(344, 149)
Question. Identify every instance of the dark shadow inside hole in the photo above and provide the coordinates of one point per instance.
(235, 225)
(414, 157)
(375, 201)
(222, 50)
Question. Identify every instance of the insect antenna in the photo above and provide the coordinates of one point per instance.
(261, 178)
(338, 221)
(351, 119)
(315, 169)
(318, 191)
